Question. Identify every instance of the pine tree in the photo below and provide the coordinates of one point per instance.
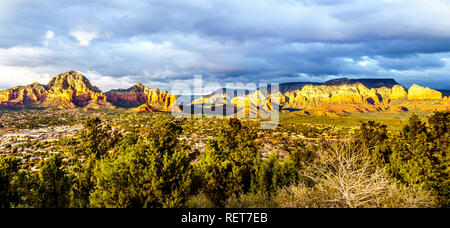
(421, 155)
(8, 172)
(229, 163)
(53, 185)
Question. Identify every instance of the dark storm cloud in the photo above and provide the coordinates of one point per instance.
(157, 42)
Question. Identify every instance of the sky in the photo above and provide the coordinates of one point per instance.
(117, 43)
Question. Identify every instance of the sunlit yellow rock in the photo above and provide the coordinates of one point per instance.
(22, 96)
(398, 92)
(417, 92)
(70, 90)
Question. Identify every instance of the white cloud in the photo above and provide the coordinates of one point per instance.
(155, 46)
(84, 38)
(367, 61)
(107, 83)
(49, 35)
(11, 76)
(24, 56)
(317, 38)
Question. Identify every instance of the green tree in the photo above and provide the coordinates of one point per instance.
(229, 163)
(415, 128)
(373, 137)
(96, 138)
(439, 130)
(421, 155)
(9, 167)
(83, 183)
(275, 173)
(53, 185)
(298, 154)
(153, 172)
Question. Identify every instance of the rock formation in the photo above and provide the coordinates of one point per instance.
(417, 92)
(143, 97)
(73, 90)
(332, 98)
(67, 90)
(22, 96)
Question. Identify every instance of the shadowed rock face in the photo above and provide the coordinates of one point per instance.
(128, 98)
(445, 93)
(368, 82)
(294, 86)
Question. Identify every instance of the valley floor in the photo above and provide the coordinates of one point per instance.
(296, 149)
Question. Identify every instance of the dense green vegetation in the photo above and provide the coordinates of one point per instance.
(149, 162)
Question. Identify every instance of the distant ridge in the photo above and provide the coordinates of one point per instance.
(229, 91)
(367, 82)
(445, 93)
(292, 86)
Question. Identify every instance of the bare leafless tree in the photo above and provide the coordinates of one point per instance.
(345, 176)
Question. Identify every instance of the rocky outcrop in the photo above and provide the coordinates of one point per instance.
(144, 108)
(22, 96)
(336, 97)
(417, 92)
(71, 90)
(397, 109)
(221, 96)
(127, 98)
(67, 90)
(143, 97)
(162, 100)
(342, 94)
(332, 98)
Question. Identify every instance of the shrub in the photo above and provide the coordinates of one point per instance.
(251, 200)
(199, 200)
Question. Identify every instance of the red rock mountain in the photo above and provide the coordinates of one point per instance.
(22, 96)
(73, 90)
(67, 90)
(143, 97)
(332, 98)
(129, 98)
